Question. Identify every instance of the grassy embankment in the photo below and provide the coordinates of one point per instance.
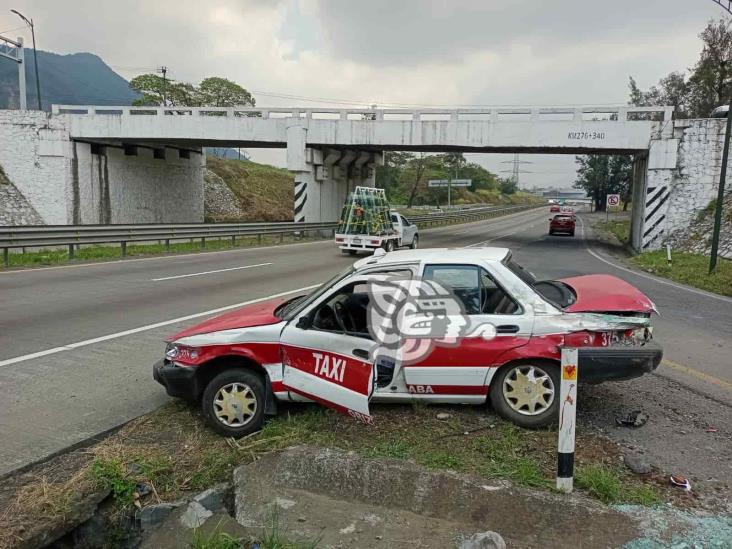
(686, 268)
(172, 451)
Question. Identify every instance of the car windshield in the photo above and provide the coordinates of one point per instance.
(291, 308)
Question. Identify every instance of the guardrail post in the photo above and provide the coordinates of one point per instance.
(233, 240)
(282, 237)
(71, 251)
(6, 257)
(167, 244)
(123, 246)
(259, 239)
(203, 242)
(567, 419)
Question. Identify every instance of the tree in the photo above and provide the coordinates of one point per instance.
(220, 92)
(508, 186)
(600, 175)
(157, 90)
(710, 77)
(211, 92)
(672, 90)
(417, 166)
(708, 84)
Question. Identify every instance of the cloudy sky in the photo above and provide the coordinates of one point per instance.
(389, 52)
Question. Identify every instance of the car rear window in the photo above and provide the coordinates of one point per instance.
(562, 217)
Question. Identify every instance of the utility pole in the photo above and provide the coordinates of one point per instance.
(15, 52)
(727, 5)
(29, 22)
(164, 71)
(720, 190)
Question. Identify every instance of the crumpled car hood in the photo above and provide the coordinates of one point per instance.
(257, 314)
(602, 293)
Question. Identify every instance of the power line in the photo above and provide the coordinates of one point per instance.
(412, 105)
(14, 29)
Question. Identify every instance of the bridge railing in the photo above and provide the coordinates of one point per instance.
(620, 113)
(73, 236)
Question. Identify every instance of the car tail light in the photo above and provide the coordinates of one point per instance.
(340, 239)
(374, 242)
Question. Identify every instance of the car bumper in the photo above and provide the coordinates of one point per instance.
(179, 382)
(598, 364)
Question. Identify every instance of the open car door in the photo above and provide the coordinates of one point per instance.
(330, 366)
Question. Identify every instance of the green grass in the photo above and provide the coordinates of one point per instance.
(607, 485)
(215, 540)
(620, 228)
(111, 474)
(687, 268)
(109, 253)
(265, 193)
(274, 537)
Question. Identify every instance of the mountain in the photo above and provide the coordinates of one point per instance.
(74, 79)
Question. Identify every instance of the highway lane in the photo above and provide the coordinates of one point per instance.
(66, 396)
(43, 308)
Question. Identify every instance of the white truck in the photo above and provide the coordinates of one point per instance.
(367, 223)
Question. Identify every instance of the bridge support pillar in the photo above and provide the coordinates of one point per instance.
(324, 177)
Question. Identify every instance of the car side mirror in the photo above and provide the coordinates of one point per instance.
(304, 323)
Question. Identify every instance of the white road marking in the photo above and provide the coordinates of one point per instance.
(211, 272)
(87, 342)
(649, 277)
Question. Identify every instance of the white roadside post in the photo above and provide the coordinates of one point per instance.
(567, 415)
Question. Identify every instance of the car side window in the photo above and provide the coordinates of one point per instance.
(406, 221)
(463, 280)
(346, 310)
(494, 299)
(475, 288)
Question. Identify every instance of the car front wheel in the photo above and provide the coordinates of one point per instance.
(415, 242)
(527, 393)
(233, 403)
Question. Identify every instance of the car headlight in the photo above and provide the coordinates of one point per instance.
(184, 353)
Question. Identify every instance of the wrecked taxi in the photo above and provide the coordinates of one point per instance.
(461, 326)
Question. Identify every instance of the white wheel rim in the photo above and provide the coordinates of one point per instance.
(414, 243)
(528, 390)
(235, 404)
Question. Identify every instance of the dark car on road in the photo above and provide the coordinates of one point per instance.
(562, 223)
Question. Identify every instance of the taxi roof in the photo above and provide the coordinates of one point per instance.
(436, 255)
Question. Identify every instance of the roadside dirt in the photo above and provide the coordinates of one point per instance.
(689, 431)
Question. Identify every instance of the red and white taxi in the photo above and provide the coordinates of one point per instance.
(318, 347)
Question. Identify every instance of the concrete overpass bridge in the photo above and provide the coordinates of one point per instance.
(331, 150)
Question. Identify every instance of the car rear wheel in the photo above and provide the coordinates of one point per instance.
(551, 233)
(389, 245)
(527, 393)
(233, 403)
(571, 233)
(414, 243)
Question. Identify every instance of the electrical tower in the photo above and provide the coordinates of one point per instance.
(516, 168)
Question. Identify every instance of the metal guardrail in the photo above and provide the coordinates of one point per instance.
(39, 236)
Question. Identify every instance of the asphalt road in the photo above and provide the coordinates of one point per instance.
(77, 342)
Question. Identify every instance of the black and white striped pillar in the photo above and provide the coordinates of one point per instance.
(567, 417)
